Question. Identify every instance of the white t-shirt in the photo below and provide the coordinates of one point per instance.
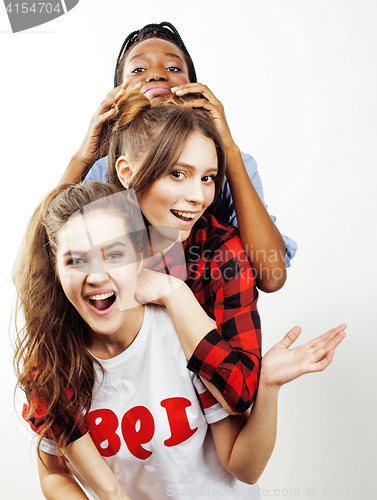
(147, 421)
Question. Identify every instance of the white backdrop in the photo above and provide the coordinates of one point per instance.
(298, 80)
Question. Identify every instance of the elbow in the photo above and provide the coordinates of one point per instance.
(272, 281)
(248, 479)
(246, 476)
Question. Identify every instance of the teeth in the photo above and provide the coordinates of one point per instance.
(184, 214)
(102, 296)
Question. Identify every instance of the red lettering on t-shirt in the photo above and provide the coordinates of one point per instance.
(179, 425)
(135, 438)
(102, 425)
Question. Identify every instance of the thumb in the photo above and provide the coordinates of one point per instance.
(291, 337)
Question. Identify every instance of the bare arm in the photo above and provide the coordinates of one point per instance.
(262, 240)
(57, 481)
(244, 443)
(189, 319)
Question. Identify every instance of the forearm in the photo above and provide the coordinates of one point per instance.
(190, 321)
(262, 240)
(244, 443)
(60, 486)
(88, 462)
(255, 442)
(57, 482)
(222, 365)
(191, 324)
(75, 170)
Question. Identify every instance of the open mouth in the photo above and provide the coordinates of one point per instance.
(102, 301)
(185, 216)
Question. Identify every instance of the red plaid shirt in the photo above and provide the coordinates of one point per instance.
(221, 278)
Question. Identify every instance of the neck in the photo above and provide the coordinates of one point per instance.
(109, 346)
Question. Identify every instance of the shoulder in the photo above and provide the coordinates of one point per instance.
(216, 243)
(250, 163)
(98, 172)
(209, 236)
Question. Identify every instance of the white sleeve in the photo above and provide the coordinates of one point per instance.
(46, 445)
(212, 409)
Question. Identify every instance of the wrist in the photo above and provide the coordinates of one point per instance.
(266, 385)
(232, 149)
(80, 158)
(176, 291)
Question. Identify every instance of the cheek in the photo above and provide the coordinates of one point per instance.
(181, 78)
(70, 285)
(155, 199)
(209, 195)
(134, 78)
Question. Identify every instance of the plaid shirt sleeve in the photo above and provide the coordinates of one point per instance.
(229, 357)
(34, 413)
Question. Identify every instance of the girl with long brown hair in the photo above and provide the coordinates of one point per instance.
(89, 356)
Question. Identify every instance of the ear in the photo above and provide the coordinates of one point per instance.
(124, 170)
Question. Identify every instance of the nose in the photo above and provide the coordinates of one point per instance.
(157, 75)
(98, 278)
(195, 192)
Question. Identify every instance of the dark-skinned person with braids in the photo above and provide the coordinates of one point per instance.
(90, 357)
(156, 60)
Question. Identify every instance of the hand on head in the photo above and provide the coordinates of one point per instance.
(208, 101)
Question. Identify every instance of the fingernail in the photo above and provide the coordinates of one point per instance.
(173, 89)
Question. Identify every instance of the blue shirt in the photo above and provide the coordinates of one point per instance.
(226, 212)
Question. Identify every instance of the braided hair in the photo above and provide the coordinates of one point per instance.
(164, 30)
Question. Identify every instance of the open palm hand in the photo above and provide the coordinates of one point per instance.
(281, 364)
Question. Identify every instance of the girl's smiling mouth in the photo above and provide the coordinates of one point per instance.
(102, 303)
(183, 216)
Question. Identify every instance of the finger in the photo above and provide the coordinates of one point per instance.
(202, 103)
(187, 87)
(323, 364)
(330, 346)
(115, 94)
(195, 88)
(110, 100)
(323, 339)
(105, 116)
(125, 83)
(291, 337)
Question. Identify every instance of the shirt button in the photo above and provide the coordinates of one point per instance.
(204, 369)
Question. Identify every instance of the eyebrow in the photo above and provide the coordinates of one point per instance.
(192, 167)
(114, 244)
(145, 54)
(69, 253)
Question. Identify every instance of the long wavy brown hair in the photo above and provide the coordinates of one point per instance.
(53, 365)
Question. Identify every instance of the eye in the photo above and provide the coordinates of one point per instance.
(174, 69)
(75, 261)
(208, 179)
(177, 174)
(114, 256)
(138, 70)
